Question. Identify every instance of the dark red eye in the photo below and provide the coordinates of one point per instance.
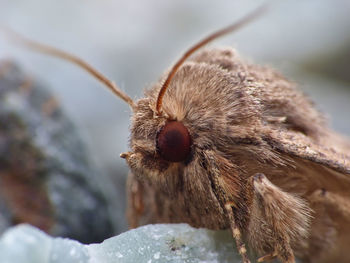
(174, 142)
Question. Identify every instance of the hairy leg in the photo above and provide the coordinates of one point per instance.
(236, 233)
(278, 218)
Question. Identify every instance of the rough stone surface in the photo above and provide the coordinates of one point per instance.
(149, 244)
(46, 178)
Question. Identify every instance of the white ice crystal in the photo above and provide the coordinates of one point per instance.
(151, 243)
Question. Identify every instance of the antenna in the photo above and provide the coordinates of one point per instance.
(248, 18)
(46, 49)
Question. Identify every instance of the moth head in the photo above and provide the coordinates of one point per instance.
(158, 144)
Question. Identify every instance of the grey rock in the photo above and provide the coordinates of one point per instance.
(149, 244)
(46, 177)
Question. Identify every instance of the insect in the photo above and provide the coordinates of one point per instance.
(224, 144)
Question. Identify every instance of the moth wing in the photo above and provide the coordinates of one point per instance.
(331, 151)
(323, 176)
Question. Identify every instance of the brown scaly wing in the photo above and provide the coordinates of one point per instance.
(322, 176)
(331, 151)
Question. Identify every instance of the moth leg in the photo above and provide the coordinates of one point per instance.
(236, 233)
(135, 207)
(267, 195)
(268, 257)
(285, 218)
(225, 184)
(284, 249)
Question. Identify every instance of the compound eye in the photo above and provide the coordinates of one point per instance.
(174, 142)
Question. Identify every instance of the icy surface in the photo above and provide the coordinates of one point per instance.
(149, 244)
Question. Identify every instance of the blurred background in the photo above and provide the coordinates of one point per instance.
(133, 42)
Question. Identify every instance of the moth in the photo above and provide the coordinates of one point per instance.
(221, 143)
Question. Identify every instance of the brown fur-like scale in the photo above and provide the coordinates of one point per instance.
(244, 119)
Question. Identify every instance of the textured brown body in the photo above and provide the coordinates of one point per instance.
(244, 119)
